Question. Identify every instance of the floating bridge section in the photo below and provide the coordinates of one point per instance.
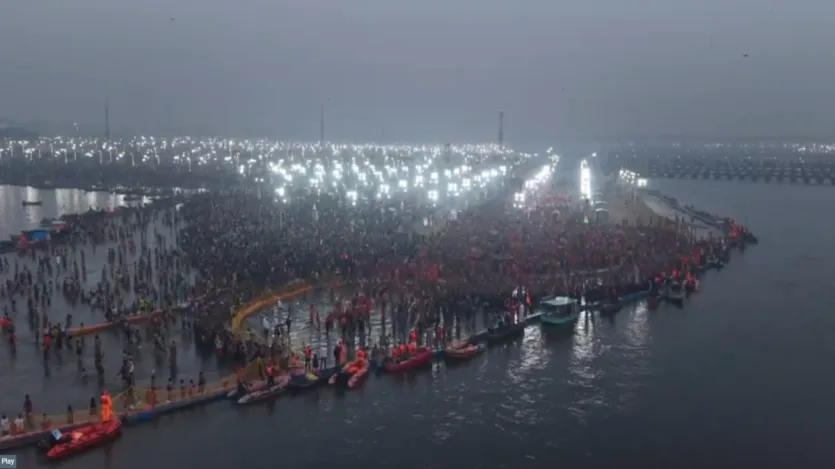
(818, 171)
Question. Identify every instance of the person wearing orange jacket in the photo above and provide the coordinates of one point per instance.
(106, 406)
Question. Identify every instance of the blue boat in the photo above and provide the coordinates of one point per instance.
(559, 311)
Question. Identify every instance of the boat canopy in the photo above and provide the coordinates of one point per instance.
(559, 301)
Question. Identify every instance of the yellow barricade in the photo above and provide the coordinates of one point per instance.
(271, 297)
(266, 301)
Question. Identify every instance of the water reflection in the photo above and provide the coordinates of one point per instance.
(31, 212)
(633, 354)
(14, 217)
(583, 372)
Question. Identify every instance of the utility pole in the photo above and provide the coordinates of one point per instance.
(501, 128)
(107, 119)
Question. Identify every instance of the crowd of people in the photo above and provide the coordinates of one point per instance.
(435, 281)
(429, 271)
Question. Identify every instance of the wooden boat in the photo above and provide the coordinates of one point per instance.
(27, 203)
(83, 439)
(463, 352)
(267, 393)
(498, 335)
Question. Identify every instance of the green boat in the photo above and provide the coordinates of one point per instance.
(559, 311)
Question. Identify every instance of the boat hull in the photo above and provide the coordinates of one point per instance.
(610, 308)
(563, 321)
(267, 393)
(460, 354)
(423, 357)
(303, 382)
(92, 436)
(507, 333)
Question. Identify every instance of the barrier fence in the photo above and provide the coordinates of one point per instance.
(294, 290)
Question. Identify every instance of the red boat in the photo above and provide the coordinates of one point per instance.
(422, 357)
(82, 439)
(461, 353)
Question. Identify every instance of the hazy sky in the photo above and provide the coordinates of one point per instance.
(426, 70)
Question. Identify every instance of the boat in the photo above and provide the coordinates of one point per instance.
(462, 352)
(252, 386)
(351, 374)
(266, 393)
(635, 296)
(610, 308)
(27, 203)
(83, 439)
(358, 376)
(691, 286)
(311, 379)
(715, 263)
(674, 298)
(422, 357)
(559, 311)
(497, 335)
(750, 238)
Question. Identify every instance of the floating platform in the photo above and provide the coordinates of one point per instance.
(132, 418)
(700, 165)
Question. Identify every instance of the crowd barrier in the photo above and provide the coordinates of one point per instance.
(94, 328)
(135, 319)
(267, 300)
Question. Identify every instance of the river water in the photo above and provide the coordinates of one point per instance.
(14, 217)
(740, 377)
